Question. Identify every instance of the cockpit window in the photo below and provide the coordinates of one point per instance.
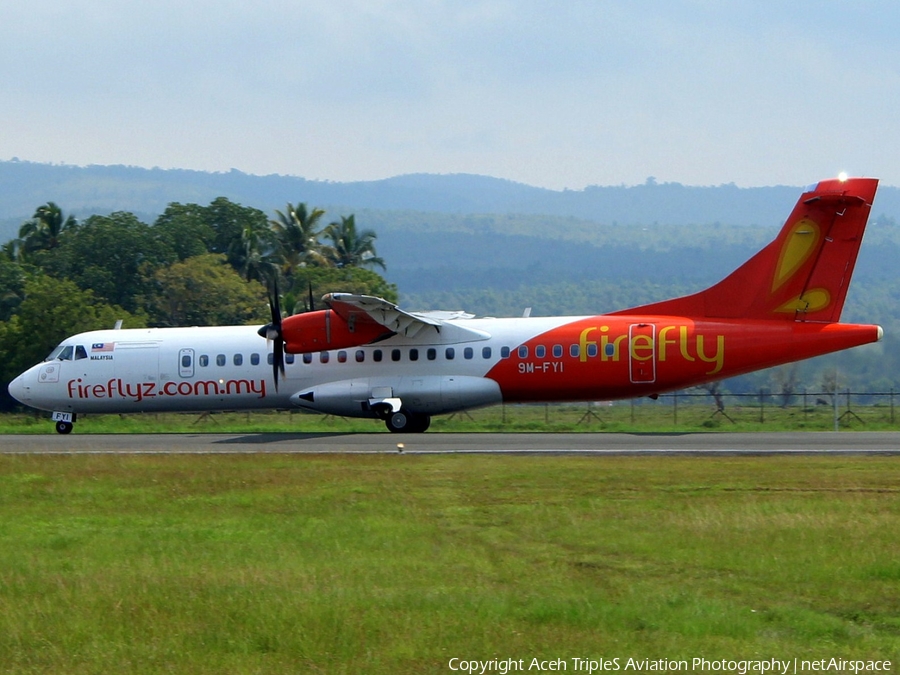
(80, 353)
(66, 354)
(55, 353)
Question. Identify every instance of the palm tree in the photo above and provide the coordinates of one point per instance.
(11, 250)
(350, 248)
(45, 228)
(298, 238)
(256, 257)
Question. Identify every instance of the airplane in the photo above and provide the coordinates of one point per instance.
(363, 356)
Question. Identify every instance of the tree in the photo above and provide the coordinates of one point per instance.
(10, 250)
(206, 291)
(258, 259)
(350, 248)
(52, 310)
(12, 287)
(184, 229)
(45, 229)
(785, 380)
(229, 222)
(116, 257)
(336, 280)
(298, 238)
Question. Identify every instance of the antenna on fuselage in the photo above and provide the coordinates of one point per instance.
(526, 313)
(118, 325)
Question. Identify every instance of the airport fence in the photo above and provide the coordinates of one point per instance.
(692, 409)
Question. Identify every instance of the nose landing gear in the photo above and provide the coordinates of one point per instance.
(65, 421)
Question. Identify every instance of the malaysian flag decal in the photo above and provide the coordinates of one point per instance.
(99, 347)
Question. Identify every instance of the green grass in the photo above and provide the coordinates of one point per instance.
(690, 414)
(396, 563)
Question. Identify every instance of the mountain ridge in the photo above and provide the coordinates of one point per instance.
(105, 188)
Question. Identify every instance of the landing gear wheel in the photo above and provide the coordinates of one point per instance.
(422, 423)
(398, 422)
(404, 421)
(64, 427)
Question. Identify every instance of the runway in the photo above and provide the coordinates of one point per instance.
(477, 443)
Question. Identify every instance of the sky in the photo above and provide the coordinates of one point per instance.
(556, 95)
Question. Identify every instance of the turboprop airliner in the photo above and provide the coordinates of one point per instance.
(365, 357)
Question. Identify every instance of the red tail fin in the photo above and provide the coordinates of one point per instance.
(801, 276)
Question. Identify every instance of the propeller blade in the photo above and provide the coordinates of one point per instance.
(278, 362)
(275, 305)
(272, 332)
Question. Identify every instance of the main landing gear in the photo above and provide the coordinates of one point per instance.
(404, 421)
(64, 427)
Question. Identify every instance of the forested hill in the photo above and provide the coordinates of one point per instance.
(494, 247)
(83, 191)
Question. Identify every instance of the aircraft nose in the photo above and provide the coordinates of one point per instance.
(18, 390)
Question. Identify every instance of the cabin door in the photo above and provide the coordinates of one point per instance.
(642, 353)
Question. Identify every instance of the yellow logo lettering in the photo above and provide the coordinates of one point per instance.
(642, 347)
(583, 343)
(663, 342)
(683, 332)
(718, 358)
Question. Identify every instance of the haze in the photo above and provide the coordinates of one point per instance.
(557, 95)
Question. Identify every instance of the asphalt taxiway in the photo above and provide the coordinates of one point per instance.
(475, 443)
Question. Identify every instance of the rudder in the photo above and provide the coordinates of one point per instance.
(803, 275)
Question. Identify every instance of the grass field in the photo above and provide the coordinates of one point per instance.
(665, 415)
(396, 563)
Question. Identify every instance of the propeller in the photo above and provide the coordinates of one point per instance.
(272, 331)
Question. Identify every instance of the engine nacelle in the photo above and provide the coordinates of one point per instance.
(325, 329)
(431, 395)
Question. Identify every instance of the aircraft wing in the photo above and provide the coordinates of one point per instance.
(366, 308)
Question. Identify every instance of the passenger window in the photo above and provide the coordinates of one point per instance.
(204, 360)
(486, 353)
(504, 352)
(254, 359)
(413, 354)
(323, 357)
(270, 358)
(592, 350)
(342, 356)
(220, 360)
(557, 351)
(450, 353)
(186, 361)
(377, 355)
(431, 354)
(238, 359)
(468, 353)
(307, 358)
(395, 355)
(540, 351)
(289, 359)
(360, 355)
(523, 352)
(574, 351)
(80, 353)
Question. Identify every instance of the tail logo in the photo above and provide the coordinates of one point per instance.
(813, 300)
(799, 244)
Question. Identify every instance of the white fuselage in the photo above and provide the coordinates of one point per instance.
(230, 368)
